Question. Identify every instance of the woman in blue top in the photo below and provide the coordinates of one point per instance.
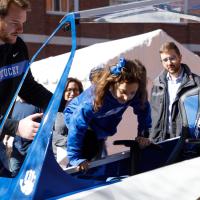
(94, 115)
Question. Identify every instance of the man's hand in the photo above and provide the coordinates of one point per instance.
(83, 166)
(28, 126)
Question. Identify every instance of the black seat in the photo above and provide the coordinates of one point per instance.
(136, 153)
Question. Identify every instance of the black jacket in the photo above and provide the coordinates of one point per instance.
(13, 59)
(160, 104)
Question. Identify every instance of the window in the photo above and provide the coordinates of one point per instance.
(59, 5)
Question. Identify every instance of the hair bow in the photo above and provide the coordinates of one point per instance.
(116, 69)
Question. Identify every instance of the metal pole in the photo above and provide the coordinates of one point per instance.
(185, 6)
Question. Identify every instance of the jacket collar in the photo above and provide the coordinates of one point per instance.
(162, 77)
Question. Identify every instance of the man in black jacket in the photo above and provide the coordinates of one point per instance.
(168, 87)
(13, 62)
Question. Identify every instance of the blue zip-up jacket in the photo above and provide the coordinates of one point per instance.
(79, 116)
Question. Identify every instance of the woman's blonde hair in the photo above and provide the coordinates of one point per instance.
(132, 71)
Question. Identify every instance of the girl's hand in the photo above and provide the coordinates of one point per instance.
(142, 141)
(83, 166)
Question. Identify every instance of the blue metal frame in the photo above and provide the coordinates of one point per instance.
(30, 173)
(66, 19)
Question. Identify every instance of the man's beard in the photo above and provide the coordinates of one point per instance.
(7, 39)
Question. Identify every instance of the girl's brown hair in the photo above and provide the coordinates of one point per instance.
(132, 72)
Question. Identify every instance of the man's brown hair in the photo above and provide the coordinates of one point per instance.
(169, 46)
(4, 5)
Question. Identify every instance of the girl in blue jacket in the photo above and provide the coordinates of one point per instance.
(94, 115)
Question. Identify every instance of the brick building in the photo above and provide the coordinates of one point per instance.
(44, 17)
